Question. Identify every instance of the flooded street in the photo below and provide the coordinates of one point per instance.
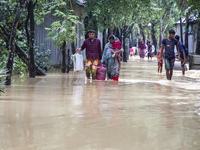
(143, 111)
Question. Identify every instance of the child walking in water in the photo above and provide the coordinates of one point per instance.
(117, 45)
(160, 61)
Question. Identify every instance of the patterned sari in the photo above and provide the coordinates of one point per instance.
(110, 63)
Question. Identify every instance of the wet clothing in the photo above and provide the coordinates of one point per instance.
(91, 65)
(111, 72)
(142, 53)
(142, 49)
(149, 51)
(181, 55)
(93, 49)
(149, 47)
(110, 63)
(149, 55)
(117, 45)
(131, 51)
(181, 47)
(142, 46)
(169, 63)
(169, 48)
(160, 63)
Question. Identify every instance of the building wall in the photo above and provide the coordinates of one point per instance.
(42, 42)
(56, 55)
(100, 37)
(191, 38)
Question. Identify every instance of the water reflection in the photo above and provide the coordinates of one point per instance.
(63, 111)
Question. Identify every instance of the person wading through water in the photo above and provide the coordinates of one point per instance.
(93, 54)
(183, 53)
(168, 44)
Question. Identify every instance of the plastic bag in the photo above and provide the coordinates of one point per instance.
(78, 62)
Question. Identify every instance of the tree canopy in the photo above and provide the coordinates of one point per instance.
(139, 19)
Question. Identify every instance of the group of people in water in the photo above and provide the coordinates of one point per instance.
(110, 56)
(143, 50)
(112, 59)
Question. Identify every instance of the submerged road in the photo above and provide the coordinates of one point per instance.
(143, 111)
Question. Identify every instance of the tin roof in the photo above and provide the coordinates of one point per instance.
(81, 2)
(192, 18)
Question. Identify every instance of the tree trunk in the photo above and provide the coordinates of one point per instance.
(68, 61)
(119, 34)
(104, 38)
(153, 32)
(110, 32)
(186, 30)
(166, 25)
(181, 30)
(132, 39)
(143, 37)
(115, 31)
(160, 39)
(63, 48)
(20, 52)
(125, 32)
(9, 64)
(198, 40)
(124, 53)
(72, 44)
(149, 35)
(31, 42)
(26, 26)
(142, 32)
(73, 48)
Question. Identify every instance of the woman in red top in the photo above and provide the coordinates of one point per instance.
(116, 46)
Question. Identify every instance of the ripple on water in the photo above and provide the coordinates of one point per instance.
(183, 85)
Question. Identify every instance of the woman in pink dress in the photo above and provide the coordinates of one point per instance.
(142, 49)
(132, 51)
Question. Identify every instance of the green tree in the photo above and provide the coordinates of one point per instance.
(62, 30)
(9, 64)
(2, 76)
(12, 21)
(117, 15)
(156, 19)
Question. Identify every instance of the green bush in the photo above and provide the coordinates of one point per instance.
(2, 76)
(42, 58)
(20, 68)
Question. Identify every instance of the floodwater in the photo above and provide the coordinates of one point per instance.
(143, 111)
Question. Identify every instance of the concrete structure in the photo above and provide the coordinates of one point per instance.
(194, 60)
(127, 44)
(192, 42)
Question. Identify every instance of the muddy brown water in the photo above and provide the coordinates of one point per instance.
(143, 111)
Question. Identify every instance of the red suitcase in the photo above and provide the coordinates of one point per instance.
(101, 72)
